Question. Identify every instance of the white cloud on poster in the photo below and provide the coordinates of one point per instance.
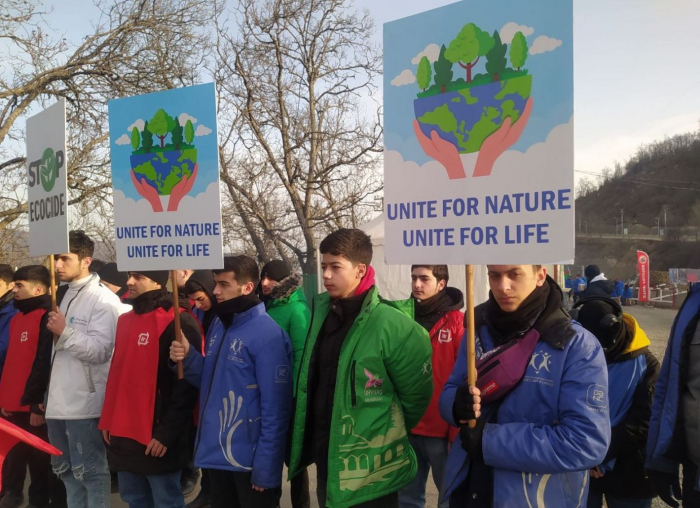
(432, 51)
(544, 44)
(202, 131)
(139, 124)
(128, 210)
(405, 78)
(512, 28)
(184, 117)
(124, 139)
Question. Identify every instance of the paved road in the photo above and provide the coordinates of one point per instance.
(655, 322)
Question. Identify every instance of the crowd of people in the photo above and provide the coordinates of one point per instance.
(594, 283)
(570, 406)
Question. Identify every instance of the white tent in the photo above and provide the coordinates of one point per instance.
(394, 281)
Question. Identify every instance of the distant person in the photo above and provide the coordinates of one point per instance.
(674, 429)
(569, 284)
(628, 295)
(632, 374)
(579, 286)
(114, 280)
(596, 283)
(619, 289)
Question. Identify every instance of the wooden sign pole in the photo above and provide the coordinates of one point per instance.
(176, 307)
(471, 336)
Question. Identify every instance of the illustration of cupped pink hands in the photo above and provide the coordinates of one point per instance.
(147, 191)
(492, 148)
(181, 189)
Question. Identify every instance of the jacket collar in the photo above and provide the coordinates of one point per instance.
(286, 287)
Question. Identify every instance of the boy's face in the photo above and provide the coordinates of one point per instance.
(424, 284)
(24, 289)
(139, 284)
(340, 276)
(267, 285)
(69, 267)
(512, 284)
(201, 300)
(5, 286)
(227, 287)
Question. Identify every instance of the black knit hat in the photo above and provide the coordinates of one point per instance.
(110, 274)
(591, 272)
(159, 276)
(275, 270)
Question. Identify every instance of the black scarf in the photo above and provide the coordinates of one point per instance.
(430, 310)
(30, 304)
(228, 309)
(540, 304)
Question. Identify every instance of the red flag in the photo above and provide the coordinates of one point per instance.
(643, 269)
(10, 435)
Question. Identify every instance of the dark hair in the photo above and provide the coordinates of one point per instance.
(6, 272)
(536, 267)
(353, 244)
(192, 286)
(244, 269)
(81, 244)
(36, 274)
(96, 265)
(440, 272)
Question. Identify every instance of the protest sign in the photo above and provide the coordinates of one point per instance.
(165, 172)
(478, 162)
(47, 165)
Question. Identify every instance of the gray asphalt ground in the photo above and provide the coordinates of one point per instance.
(655, 322)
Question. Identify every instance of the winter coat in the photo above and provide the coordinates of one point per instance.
(619, 289)
(7, 311)
(666, 445)
(287, 306)
(631, 382)
(245, 402)
(83, 351)
(382, 390)
(445, 339)
(550, 430)
(601, 287)
(174, 402)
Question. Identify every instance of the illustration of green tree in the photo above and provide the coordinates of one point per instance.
(424, 74)
(189, 132)
(496, 58)
(135, 138)
(468, 47)
(518, 50)
(443, 70)
(176, 135)
(146, 138)
(161, 124)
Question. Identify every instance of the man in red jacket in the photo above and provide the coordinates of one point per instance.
(436, 308)
(29, 343)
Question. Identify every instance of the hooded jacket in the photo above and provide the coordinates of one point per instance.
(631, 380)
(551, 429)
(445, 339)
(381, 393)
(7, 310)
(205, 279)
(287, 306)
(174, 399)
(666, 445)
(245, 402)
(599, 287)
(83, 351)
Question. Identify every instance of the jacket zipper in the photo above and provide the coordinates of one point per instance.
(211, 381)
(490, 367)
(353, 392)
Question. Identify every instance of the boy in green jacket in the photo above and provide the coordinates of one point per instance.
(362, 385)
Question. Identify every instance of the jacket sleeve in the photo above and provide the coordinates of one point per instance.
(273, 365)
(457, 379)
(458, 335)
(298, 329)
(405, 363)
(630, 435)
(38, 380)
(580, 438)
(184, 395)
(97, 344)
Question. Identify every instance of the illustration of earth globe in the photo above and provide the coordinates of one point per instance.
(468, 116)
(163, 170)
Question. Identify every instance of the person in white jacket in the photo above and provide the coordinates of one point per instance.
(84, 326)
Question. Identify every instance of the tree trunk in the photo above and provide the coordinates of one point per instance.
(495, 77)
(443, 88)
(162, 140)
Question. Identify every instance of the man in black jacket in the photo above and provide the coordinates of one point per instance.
(597, 284)
(148, 412)
(632, 374)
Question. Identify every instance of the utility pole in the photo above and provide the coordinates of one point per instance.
(622, 222)
(617, 223)
(665, 210)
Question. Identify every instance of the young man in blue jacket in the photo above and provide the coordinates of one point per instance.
(534, 445)
(245, 383)
(674, 429)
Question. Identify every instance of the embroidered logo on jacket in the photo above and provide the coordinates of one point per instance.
(24, 337)
(373, 380)
(143, 339)
(445, 336)
(540, 361)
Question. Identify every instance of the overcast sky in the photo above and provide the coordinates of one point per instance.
(637, 73)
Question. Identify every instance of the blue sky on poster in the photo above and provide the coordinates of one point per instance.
(550, 39)
(635, 75)
(194, 103)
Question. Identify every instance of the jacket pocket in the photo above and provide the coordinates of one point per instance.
(353, 389)
(88, 377)
(252, 416)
